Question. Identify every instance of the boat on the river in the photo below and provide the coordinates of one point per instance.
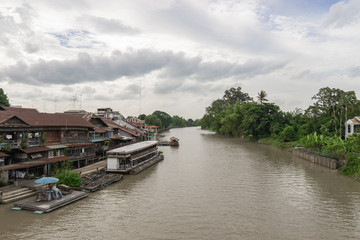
(134, 158)
(174, 141)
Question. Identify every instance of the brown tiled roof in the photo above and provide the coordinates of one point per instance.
(32, 163)
(34, 118)
(99, 130)
(2, 154)
(4, 118)
(110, 123)
(35, 149)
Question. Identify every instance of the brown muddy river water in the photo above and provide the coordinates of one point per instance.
(211, 187)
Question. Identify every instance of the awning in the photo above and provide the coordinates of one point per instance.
(36, 155)
(33, 163)
(100, 140)
(57, 146)
(3, 154)
(78, 144)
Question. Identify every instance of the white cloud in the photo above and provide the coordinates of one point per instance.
(188, 50)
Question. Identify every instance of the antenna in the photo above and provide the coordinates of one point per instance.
(74, 99)
(80, 101)
(55, 101)
(140, 97)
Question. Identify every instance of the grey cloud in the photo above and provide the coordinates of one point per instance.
(16, 31)
(132, 91)
(187, 19)
(343, 13)
(105, 25)
(174, 66)
(353, 72)
(67, 89)
(31, 47)
(88, 90)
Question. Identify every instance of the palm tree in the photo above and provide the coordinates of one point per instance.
(262, 96)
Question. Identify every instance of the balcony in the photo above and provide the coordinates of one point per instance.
(74, 140)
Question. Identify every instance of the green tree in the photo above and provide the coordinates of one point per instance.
(4, 101)
(258, 119)
(234, 95)
(178, 121)
(164, 118)
(262, 96)
(153, 120)
(142, 116)
(332, 108)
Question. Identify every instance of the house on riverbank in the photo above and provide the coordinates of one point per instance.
(352, 126)
(33, 143)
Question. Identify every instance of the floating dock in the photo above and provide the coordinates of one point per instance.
(139, 168)
(48, 206)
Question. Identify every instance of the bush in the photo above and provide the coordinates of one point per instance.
(352, 167)
(6, 148)
(288, 134)
(69, 178)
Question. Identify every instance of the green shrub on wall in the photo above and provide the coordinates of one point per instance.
(69, 178)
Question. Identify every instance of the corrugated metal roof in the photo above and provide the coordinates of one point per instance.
(132, 147)
(128, 131)
(122, 138)
(79, 144)
(35, 149)
(57, 146)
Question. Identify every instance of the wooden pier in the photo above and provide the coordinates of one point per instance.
(48, 206)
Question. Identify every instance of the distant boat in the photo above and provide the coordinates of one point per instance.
(174, 141)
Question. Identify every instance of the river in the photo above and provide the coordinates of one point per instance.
(211, 187)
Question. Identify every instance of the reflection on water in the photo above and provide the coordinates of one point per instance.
(211, 187)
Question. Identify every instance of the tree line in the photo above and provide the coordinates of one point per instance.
(164, 120)
(237, 114)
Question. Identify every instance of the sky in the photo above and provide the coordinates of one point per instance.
(175, 56)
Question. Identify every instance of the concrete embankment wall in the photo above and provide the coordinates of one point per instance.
(323, 161)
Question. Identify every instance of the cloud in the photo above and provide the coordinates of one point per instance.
(105, 25)
(87, 68)
(343, 13)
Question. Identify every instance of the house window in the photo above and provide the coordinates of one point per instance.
(349, 128)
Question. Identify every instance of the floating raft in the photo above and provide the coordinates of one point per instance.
(139, 168)
(48, 206)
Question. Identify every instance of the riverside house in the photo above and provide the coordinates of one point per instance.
(352, 126)
(35, 141)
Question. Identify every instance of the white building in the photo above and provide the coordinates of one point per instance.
(352, 126)
(109, 113)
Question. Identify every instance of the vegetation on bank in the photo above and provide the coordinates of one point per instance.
(65, 175)
(164, 120)
(320, 128)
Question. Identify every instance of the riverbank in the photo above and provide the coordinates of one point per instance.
(286, 146)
